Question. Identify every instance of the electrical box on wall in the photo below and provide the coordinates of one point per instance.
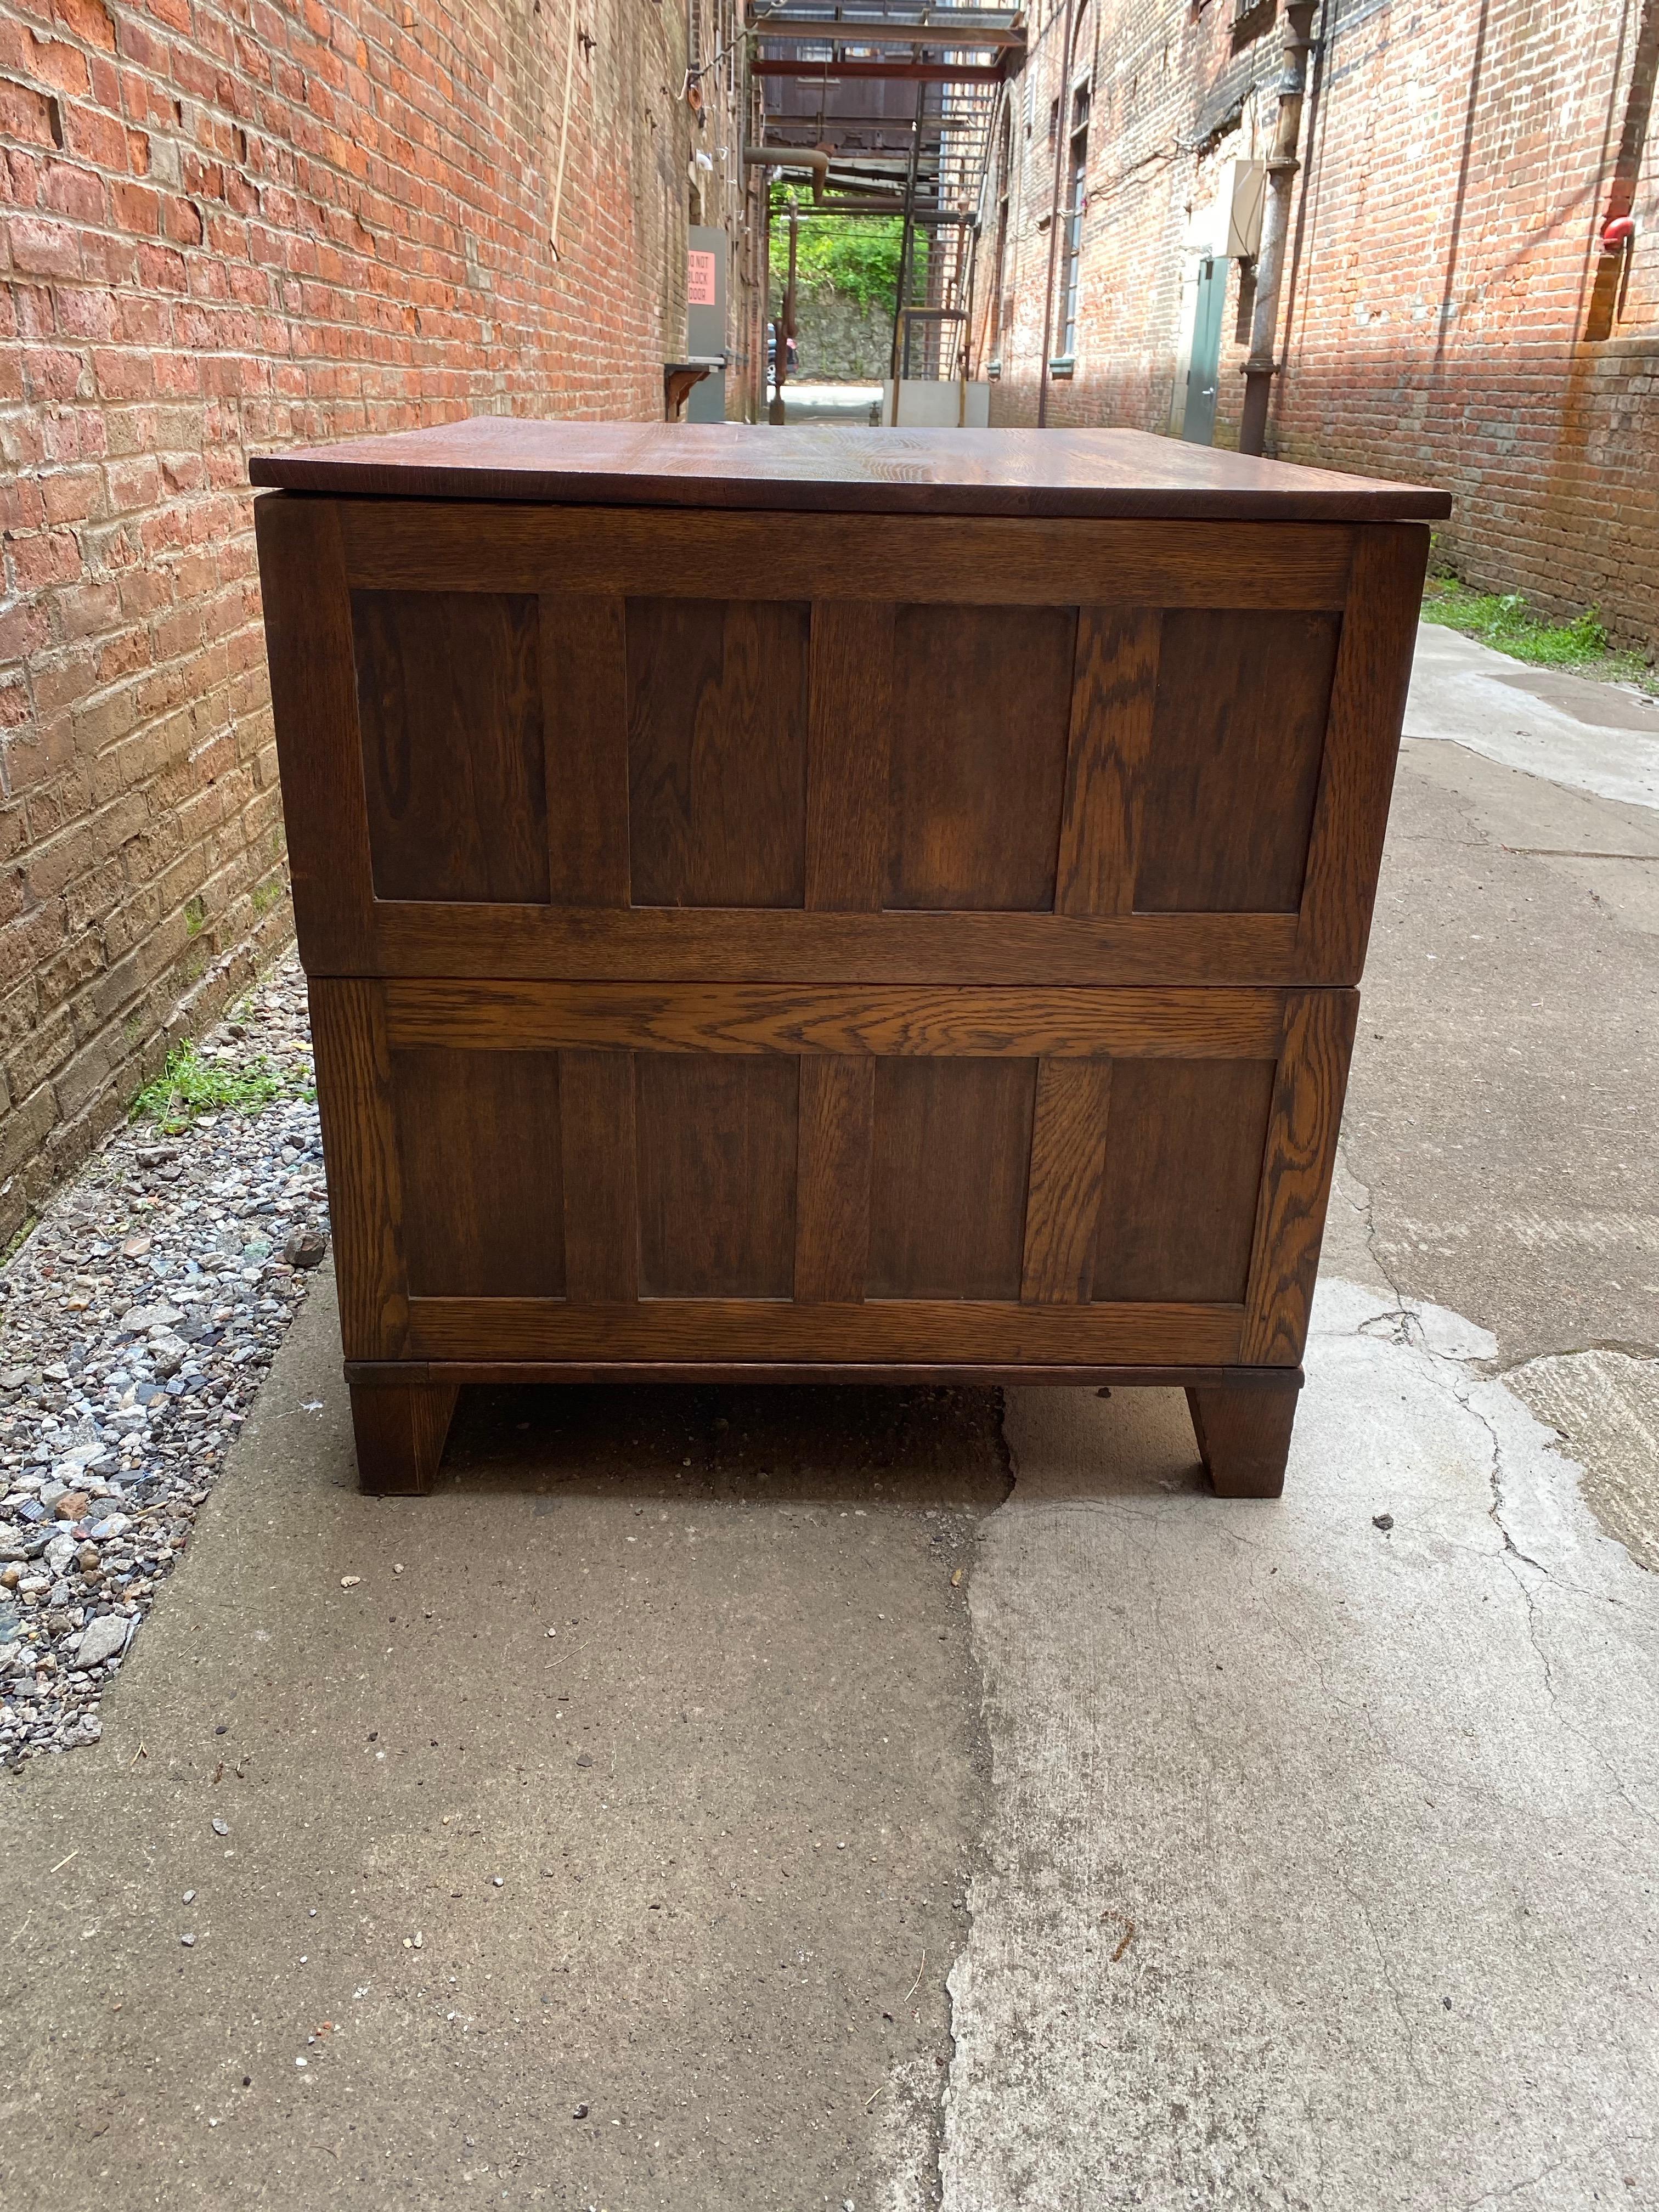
(1229, 228)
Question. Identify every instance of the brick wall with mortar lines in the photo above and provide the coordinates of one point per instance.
(1436, 305)
(227, 225)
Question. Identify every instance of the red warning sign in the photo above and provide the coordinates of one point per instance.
(700, 280)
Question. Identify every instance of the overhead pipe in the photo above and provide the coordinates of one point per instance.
(815, 159)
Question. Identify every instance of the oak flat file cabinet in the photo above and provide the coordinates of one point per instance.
(818, 904)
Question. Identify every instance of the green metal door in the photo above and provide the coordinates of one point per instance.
(1203, 368)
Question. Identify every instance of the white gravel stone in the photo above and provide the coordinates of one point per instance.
(103, 1640)
(140, 1317)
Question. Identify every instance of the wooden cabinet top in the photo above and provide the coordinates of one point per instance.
(826, 468)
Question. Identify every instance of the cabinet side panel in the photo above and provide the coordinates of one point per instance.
(1238, 734)
(982, 713)
(449, 703)
(478, 1142)
(717, 1175)
(947, 1199)
(717, 712)
(1183, 1164)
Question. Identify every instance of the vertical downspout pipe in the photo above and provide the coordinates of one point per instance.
(1282, 166)
(1062, 142)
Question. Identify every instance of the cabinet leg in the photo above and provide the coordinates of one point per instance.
(400, 1429)
(1244, 1435)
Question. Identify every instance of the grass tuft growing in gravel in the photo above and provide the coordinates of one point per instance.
(1505, 620)
(188, 1085)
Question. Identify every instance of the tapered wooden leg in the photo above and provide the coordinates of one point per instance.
(400, 1430)
(1244, 1434)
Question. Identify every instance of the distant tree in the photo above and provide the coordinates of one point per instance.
(855, 256)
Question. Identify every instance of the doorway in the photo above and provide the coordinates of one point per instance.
(1203, 362)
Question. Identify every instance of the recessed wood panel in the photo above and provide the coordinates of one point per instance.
(484, 1192)
(601, 1203)
(716, 1139)
(947, 1199)
(717, 704)
(981, 717)
(1238, 735)
(1184, 1144)
(449, 710)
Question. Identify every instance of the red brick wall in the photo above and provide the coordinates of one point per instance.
(232, 224)
(1460, 162)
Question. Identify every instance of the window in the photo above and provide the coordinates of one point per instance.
(1077, 186)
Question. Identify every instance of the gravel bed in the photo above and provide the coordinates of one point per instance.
(136, 1322)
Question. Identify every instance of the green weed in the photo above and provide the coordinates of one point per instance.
(188, 1085)
(1505, 620)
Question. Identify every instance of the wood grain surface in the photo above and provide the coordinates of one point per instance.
(1114, 697)
(1368, 705)
(967, 1375)
(1184, 1160)
(911, 560)
(962, 1330)
(585, 724)
(1238, 734)
(982, 703)
(717, 752)
(835, 1145)
(313, 695)
(849, 766)
(1068, 1165)
(449, 705)
(810, 466)
(365, 1178)
(715, 944)
(717, 1175)
(599, 1151)
(759, 1017)
(483, 1196)
(1311, 1081)
(947, 1179)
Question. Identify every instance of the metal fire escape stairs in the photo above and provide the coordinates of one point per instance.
(884, 108)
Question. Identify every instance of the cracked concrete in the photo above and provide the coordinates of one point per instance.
(1377, 1802)
(1322, 1870)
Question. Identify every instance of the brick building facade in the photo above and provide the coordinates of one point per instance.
(233, 224)
(1448, 313)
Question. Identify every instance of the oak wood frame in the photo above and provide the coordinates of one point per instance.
(838, 980)
(314, 551)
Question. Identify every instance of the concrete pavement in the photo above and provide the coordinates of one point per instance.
(1294, 1856)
